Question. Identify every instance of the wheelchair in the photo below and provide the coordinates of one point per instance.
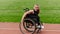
(28, 26)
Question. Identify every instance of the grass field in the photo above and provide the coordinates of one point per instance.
(12, 10)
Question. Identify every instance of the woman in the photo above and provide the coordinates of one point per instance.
(33, 14)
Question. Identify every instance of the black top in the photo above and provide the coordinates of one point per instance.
(33, 15)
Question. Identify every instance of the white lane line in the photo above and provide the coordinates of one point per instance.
(19, 29)
(51, 30)
(9, 28)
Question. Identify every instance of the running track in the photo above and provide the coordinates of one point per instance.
(13, 28)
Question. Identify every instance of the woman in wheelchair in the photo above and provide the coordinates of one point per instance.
(33, 14)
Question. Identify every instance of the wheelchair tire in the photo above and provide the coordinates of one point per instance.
(23, 24)
(30, 20)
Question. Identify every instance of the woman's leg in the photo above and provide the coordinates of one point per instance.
(38, 20)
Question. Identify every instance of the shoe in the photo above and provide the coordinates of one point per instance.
(40, 26)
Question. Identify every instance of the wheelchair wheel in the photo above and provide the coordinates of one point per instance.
(28, 26)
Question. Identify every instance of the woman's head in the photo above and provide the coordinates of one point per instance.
(36, 7)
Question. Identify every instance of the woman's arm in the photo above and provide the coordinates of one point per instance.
(28, 12)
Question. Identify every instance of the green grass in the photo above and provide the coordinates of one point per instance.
(12, 10)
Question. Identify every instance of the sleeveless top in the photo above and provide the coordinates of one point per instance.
(35, 15)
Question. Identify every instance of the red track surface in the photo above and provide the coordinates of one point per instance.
(13, 28)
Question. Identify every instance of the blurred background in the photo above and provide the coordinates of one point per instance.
(12, 10)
